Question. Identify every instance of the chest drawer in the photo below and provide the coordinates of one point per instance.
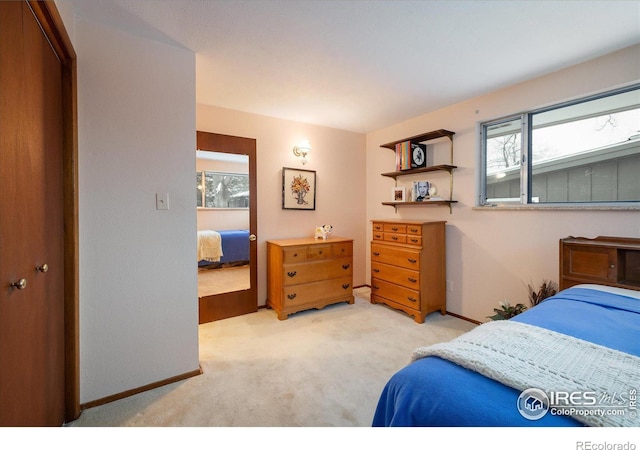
(399, 294)
(316, 270)
(378, 227)
(405, 277)
(398, 238)
(403, 257)
(414, 230)
(395, 228)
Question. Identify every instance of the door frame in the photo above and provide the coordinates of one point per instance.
(231, 304)
(53, 28)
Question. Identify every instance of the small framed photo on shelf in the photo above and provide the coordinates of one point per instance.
(421, 191)
(399, 194)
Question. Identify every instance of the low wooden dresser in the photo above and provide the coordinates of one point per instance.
(308, 273)
(606, 260)
(408, 266)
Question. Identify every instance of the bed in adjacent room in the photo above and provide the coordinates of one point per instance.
(572, 360)
(225, 247)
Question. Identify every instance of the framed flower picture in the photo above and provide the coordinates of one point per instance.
(298, 189)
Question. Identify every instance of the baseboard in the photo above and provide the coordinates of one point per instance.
(148, 387)
(463, 318)
(458, 316)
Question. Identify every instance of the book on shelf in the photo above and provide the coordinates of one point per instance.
(410, 155)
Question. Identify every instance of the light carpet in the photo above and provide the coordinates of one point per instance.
(318, 368)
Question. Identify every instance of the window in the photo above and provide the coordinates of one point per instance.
(222, 190)
(583, 152)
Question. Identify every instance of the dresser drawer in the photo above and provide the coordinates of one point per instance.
(340, 250)
(414, 240)
(399, 294)
(379, 227)
(393, 237)
(316, 270)
(398, 275)
(396, 256)
(294, 254)
(394, 228)
(414, 230)
(320, 290)
(320, 251)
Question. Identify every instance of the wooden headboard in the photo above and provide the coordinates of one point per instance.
(606, 260)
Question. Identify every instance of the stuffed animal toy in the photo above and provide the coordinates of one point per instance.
(323, 232)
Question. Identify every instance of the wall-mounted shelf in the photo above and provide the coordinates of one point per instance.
(421, 138)
(424, 203)
(438, 168)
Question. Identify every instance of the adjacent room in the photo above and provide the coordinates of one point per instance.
(374, 180)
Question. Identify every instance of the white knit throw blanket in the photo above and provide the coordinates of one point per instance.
(524, 356)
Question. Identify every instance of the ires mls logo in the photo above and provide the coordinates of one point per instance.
(534, 404)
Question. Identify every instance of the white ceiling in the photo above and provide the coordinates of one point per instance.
(362, 65)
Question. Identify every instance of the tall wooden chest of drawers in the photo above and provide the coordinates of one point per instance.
(308, 273)
(408, 266)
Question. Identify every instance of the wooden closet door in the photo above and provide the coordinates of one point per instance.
(31, 224)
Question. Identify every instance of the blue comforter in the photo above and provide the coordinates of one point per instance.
(436, 392)
(235, 247)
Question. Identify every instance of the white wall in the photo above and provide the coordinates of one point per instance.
(493, 254)
(138, 288)
(339, 161)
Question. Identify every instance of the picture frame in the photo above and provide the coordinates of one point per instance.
(421, 190)
(298, 189)
(399, 194)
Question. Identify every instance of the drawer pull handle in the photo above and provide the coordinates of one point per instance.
(395, 238)
(291, 296)
(346, 286)
(413, 280)
(292, 274)
(613, 266)
(395, 228)
(412, 261)
(414, 230)
(411, 299)
(378, 236)
(376, 253)
(414, 240)
(295, 255)
(375, 287)
(346, 266)
(320, 252)
(376, 270)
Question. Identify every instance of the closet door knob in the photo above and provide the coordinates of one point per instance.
(20, 284)
(252, 237)
(43, 268)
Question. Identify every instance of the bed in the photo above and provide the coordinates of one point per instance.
(450, 385)
(219, 248)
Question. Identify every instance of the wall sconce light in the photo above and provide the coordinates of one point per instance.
(302, 150)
